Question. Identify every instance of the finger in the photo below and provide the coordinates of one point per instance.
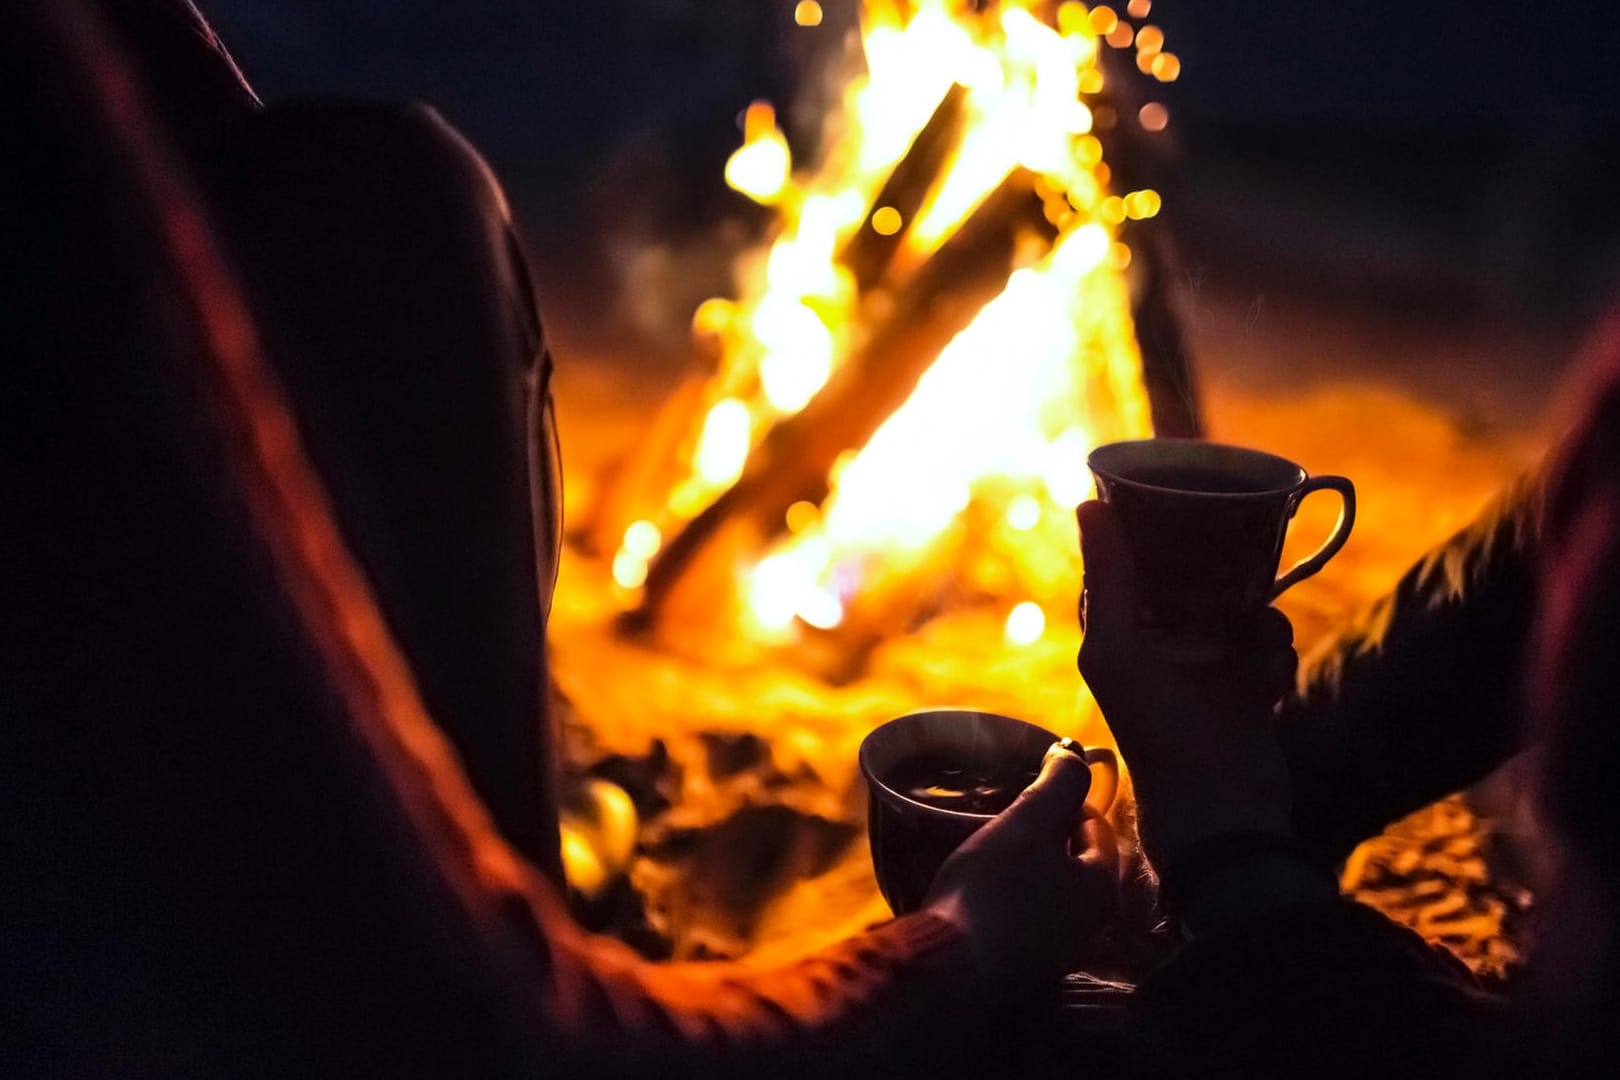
(1052, 804)
(1110, 587)
(1262, 659)
(1271, 637)
(1272, 630)
(1281, 675)
(1097, 845)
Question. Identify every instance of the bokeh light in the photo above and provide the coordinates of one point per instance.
(1025, 624)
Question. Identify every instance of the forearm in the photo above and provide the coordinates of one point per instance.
(1422, 691)
(904, 995)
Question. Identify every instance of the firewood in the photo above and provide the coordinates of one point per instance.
(868, 252)
(644, 478)
(1157, 302)
(641, 482)
(796, 456)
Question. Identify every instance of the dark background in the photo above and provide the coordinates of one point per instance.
(522, 73)
(1444, 163)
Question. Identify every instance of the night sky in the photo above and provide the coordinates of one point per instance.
(547, 87)
(579, 102)
(1454, 60)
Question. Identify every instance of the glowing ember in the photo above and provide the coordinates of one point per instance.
(1166, 67)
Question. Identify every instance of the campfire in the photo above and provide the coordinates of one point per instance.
(862, 502)
(903, 394)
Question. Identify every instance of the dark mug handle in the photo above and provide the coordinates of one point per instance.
(1341, 531)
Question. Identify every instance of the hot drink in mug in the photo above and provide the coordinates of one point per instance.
(1205, 523)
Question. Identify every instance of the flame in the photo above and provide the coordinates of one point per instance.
(1024, 512)
(960, 434)
(760, 167)
(722, 448)
(1007, 412)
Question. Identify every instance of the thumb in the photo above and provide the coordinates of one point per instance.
(1052, 804)
(1110, 581)
(1099, 845)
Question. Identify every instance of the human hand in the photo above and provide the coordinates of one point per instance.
(1196, 733)
(1034, 887)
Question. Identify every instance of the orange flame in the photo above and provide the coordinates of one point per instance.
(1008, 410)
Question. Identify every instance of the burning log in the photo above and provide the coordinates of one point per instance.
(869, 251)
(1157, 303)
(890, 605)
(911, 306)
(642, 480)
(645, 478)
(1156, 308)
(796, 457)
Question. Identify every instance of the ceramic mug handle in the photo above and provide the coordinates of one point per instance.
(1341, 531)
(1104, 765)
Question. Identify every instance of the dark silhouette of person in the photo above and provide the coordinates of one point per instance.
(1280, 975)
(279, 540)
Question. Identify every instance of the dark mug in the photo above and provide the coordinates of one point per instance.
(1205, 524)
(911, 838)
